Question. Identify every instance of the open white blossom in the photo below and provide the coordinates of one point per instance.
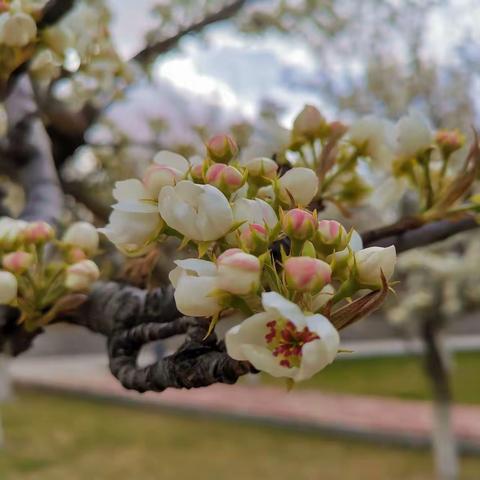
(283, 341)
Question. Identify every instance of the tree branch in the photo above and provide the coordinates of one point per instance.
(149, 52)
(54, 11)
(29, 152)
(412, 237)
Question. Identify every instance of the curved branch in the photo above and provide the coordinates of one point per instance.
(148, 53)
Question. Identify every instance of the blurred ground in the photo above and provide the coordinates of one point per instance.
(102, 441)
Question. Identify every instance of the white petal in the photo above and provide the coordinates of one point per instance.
(301, 183)
(273, 302)
(173, 160)
(128, 190)
(262, 359)
(250, 331)
(193, 296)
(200, 267)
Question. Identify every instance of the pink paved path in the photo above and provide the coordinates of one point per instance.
(387, 418)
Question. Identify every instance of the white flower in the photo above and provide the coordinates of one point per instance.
(195, 281)
(200, 212)
(238, 272)
(370, 261)
(81, 275)
(135, 222)
(413, 135)
(11, 232)
(301, 184)
(283, 341)
(8, 288)
(254, 212)
(82, 235)
(168, 168)
(17, 30)
(261, 167)
(371, 135)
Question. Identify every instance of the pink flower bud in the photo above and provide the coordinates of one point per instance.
(306, 274)
(254, 238)
(449, 140)
(262, 167)
(196, 172)
(238, 272)
(75, 255)
(17, 262)
(81, 275)
(38, 232)
(299, 224)
(158, 176)
(222, 148)
(8, 288)
(331, 232)
(224, 177)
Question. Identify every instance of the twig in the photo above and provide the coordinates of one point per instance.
(151, 51)
(54, 11)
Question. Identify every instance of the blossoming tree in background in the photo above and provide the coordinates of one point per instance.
(257, 238)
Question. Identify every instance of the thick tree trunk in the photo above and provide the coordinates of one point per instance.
(443, 438)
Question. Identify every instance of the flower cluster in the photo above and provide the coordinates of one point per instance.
(42, 275)
(262, 253)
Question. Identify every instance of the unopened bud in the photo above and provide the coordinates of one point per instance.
(254, 238)
(306, 274)
(225, 177)
(11, 232)
(309, 124)
(158, 176)
(17, 262)
(238, 272)
(81, 275)
(370, 262)
(332, 233)
(262, 168)
(449, 141)
(82, 235)
(222, 148)
(17, 30)
(38, 232)
(8, 288)
(299, 224)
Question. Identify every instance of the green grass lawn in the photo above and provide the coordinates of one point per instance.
(400, 377)
(57, 438)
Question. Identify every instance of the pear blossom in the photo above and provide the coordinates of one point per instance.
(309, 123)
(306, 274)
(238, 272)
(301, 184)
(8, 287)
(252, 211)
(331, 232)
(17, 262)
(322, 297)
(168, 168)
(195, 282)
(373, 260)
(17, 29)
(81, 275)
(373, 137)
(224, 177)
(11, 232)
(222, 148)
(135, 222)
(414, 136)
(283, 341)
(200, 212)
(254, 238)
(299, 224)
(261, 167)
(38, 232)
(82, 235)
